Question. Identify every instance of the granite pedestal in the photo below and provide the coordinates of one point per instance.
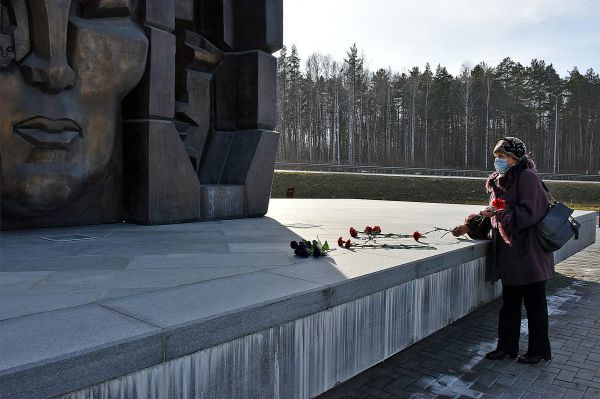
(223, 308)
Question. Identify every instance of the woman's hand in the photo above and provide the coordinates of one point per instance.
(460, 230)
(488, 212)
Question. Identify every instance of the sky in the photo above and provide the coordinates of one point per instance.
(400, 34)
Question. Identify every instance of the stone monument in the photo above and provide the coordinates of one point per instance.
(145, 111)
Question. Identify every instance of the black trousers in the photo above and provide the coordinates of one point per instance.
(509, 321)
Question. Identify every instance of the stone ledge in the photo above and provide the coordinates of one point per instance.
(53, 353)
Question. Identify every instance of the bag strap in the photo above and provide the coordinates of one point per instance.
(549, 196)
(575, 226)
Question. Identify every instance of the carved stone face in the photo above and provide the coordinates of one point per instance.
(67, 68)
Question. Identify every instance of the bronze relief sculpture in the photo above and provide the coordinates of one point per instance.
(148, 111)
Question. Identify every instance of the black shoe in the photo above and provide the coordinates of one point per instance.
(532, 359)
(499, 354)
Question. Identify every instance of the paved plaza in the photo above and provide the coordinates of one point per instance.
(451, 364)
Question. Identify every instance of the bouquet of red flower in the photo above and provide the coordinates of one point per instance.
(305, 248)
(499, 204)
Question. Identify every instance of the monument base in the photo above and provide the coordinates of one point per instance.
(223, 309)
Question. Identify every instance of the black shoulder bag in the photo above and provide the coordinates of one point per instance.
(557, 227)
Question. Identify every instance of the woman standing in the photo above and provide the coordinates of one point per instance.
(517, 203)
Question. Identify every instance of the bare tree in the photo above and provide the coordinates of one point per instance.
(413, 90)
(426, 83)
(466, 100)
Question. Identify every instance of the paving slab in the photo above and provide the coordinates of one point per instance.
(35, 349)
(181, 305)
(17, 304)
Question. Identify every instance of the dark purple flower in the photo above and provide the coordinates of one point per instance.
(304, 253)
(316, 252)
(294, 244)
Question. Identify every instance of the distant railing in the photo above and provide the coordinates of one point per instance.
(398, 170)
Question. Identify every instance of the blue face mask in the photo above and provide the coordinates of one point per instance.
(501, 165)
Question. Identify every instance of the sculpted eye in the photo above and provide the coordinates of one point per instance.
(105, 9)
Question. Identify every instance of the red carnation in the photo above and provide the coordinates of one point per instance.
(348, 244)
(340, 242)
(353, 232)
(499, 204)
(368, 229)
(417, 235)
(377, 230)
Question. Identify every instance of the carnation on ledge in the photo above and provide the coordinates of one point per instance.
(372, 237)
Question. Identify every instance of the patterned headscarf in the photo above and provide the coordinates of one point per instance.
(511, 146)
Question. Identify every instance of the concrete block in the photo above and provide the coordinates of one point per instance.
(225, 94)
(158, 13)
(193, 114)
(105, 9)
(47, 354)
(197, 102)
(259, 25)
(216, 22)
(256, 94)
(160, 182)
(193, 138)
(259, 177)
(216, 157)
(196, 53)
(245, 87)
(155, 94)
(251, 162)
(184, 10)
(222, 202)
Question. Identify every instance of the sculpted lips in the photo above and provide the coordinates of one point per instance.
(45, 133)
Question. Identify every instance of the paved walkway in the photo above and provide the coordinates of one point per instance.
(450, 363)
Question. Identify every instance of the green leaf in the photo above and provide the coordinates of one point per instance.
(325, 247)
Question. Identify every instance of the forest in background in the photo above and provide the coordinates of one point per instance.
(339, 112)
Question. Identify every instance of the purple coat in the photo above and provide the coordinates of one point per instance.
(519, 258)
